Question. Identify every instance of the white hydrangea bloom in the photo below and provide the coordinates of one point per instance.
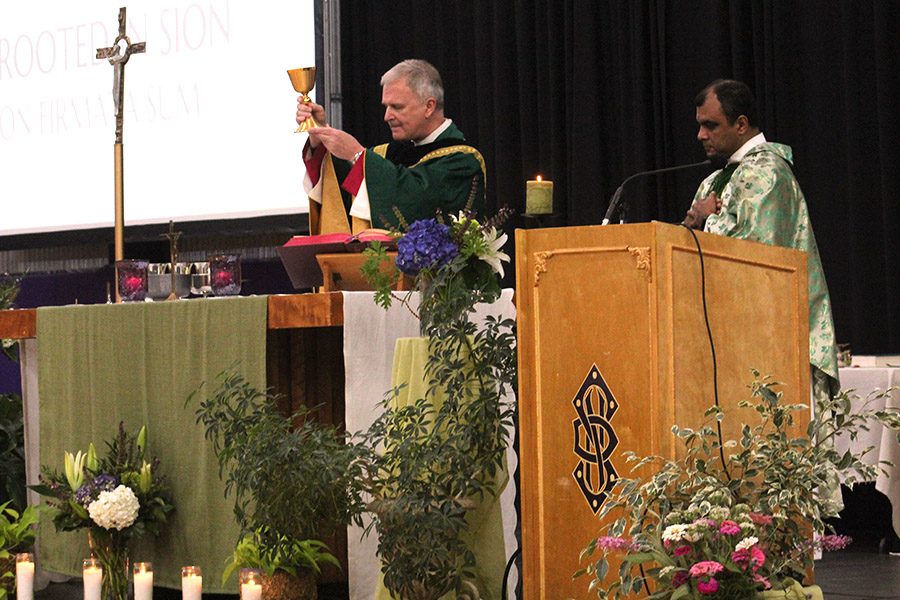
(117, 509)
(746, 543)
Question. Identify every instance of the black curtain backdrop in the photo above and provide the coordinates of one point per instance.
(589, 92)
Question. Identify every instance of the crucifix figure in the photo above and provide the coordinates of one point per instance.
(117, 55)
(117, 58)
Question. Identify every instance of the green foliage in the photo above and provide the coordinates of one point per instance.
(440, 455)
(16, 529)
(769, 476)
(382, 280)
(9, 290)
(293, 479)
(12, 451)
(16, 535)
(289, 555)
(12, 438)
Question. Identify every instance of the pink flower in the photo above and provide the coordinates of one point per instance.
(760, 579)
(761, 519)
(710, 586)
(682, 550)
(829, 543)
(614, 543)
(729, 528)
(706, 523)
(752, 558)
(705, 567)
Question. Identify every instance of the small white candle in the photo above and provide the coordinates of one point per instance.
(143, 581)
(191, 583)
(92, 574)
(25, 576)
(251, 588)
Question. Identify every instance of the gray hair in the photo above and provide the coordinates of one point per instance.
(421, 77)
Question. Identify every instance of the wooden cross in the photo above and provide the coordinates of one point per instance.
(117, 58)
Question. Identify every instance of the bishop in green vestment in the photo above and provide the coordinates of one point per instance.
(755, 196)
(427, 167)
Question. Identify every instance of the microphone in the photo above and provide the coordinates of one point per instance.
(615, 203)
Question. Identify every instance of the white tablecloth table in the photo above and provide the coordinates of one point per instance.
(883, 441)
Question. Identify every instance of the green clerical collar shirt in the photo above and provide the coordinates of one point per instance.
(762, 202)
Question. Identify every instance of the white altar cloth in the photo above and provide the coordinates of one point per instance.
(883, 440)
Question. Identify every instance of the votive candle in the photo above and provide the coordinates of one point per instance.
(25, 576)
(92, 575)
(251, 584)
(143, 581)
(191, 583)
(538, 196)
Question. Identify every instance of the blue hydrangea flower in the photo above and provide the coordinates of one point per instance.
(105, 483)
(427, 245)
(90, 490)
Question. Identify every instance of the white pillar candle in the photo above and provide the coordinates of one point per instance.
(25, 576)
(251, 591)
(143, 581)
(251, 586)
(191, 583)
(92, 574)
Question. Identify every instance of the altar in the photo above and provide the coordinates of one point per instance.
(139, 362)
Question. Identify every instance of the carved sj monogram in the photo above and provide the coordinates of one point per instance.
(595, 439)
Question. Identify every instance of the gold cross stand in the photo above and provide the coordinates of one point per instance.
(118, 55)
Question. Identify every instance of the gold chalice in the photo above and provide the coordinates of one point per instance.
(304, 80)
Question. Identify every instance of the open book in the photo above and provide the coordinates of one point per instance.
(298, 255)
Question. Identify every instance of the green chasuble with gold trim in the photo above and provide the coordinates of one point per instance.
(415, 180)
(762, 202)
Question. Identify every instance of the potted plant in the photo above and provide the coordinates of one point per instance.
(440, 452)
(16, 535)
(732, 519)
(294, 482)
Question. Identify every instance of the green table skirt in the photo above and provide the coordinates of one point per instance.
(138, 363)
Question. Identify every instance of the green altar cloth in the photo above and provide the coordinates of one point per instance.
(485, 533)
(137, 363)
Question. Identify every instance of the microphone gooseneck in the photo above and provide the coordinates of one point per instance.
(615, 203)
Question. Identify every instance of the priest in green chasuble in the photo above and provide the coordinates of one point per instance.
(428, 165)
(755, 196)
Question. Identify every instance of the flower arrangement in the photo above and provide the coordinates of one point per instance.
(117, 497)
(455, 264)
(736, 518)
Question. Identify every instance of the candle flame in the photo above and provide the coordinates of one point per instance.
(539, 178)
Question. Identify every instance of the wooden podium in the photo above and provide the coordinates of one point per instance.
(613, 351)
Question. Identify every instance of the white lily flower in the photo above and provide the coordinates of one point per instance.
(74, 467)
(494, 256)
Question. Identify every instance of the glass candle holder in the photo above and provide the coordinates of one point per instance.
(200, 279)
(92, 576)
(191, 583)
(225, 274)
(25, 576)
(131, 279)
(251, 584)
(143, 581)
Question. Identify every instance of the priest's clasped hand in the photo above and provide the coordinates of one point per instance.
(701, 209)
